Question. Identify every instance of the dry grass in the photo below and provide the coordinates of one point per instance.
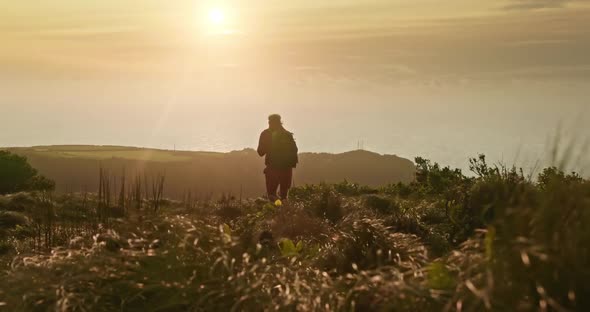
(509, 244)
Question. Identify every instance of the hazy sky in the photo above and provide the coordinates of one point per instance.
(379, 39)
(411, 77)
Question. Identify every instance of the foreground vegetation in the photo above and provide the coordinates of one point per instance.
(497, 241)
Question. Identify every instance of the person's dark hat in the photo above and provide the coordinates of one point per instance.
(274, 118)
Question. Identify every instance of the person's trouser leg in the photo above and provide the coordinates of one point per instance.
(285, 180)
(272, 183)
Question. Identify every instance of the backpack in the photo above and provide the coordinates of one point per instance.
(283, 150)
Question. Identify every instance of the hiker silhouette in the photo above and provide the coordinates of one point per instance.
(280, 151)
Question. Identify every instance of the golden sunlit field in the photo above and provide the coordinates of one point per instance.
(442, 242)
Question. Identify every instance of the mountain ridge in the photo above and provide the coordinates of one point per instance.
(75, 168)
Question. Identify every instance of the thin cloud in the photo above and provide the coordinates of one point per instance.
(86, 31)
(525, 5)
(542, 42)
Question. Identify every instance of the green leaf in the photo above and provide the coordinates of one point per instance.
(268, 208)
(439, 277)
(288, 248)
(299, 246)
(226, 232)
(489, 242)
(226, 229)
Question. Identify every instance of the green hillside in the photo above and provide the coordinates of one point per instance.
(75, 168)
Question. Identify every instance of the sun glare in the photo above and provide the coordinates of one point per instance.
(218, 21)
(216, 16)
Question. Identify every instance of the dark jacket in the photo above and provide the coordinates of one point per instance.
(275, 158)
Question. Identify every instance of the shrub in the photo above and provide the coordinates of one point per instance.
(16, 175)
(431, 179)
(433, 215)
(553, 176)
(535, 251)
(5, 247)
(227, 208)
(327, 205)
(367, 243)
(400, 189)
(497, 188)
(41, 183)
(19, 202)
(440, 277)
(305, 193)
(11, 219)
(295, 223)
(388, 289)
(381, 204)
(353, 189)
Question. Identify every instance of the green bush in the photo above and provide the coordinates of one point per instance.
(11, 219)
(17, 175)
(381, 204)
(353, 189)
(400, 189)
(432, 179)
(18, 202)
(553, 176)
(327, 205)
(440, 277)
(296, 223)
(367, 243)
(5, 248)
(305, 193)
(536, 248)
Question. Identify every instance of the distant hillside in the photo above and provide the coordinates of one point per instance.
(75, 168)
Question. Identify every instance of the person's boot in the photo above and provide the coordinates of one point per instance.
(272, 198)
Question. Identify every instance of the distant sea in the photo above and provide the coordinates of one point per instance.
(513, 122)
(532, 149)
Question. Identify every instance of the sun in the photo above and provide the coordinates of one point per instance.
(216, 16)
(218, 21)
